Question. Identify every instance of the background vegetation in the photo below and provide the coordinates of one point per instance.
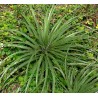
(76, 57)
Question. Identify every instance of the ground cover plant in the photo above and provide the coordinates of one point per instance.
(49, 53)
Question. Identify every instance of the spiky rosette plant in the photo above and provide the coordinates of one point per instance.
(84, 80)
(41, 52)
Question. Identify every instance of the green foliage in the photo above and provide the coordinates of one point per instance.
(7, 20)
(35, 51)
(81, 81)
(43, 51)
